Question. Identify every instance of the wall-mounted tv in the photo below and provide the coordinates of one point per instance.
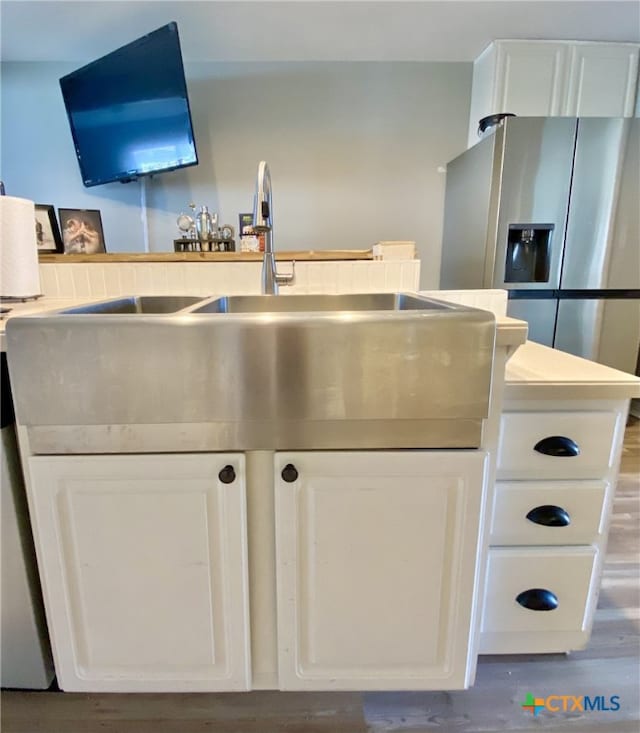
(129, 111)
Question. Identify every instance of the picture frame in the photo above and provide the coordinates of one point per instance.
(48, 238)
(82, 231)
(244, 220)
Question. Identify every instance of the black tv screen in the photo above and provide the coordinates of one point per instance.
(129, 111)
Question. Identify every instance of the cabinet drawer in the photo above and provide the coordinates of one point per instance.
(547, 512)
(565, 574)
(557, 444)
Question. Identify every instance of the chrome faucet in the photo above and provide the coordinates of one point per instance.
(263, 224)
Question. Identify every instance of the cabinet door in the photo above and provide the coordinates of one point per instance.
(376, 567)
(530, 78)
(143, 561)
(602, 80)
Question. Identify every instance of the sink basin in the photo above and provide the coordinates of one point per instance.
(320, 303)
(242, 373)
(136, 304)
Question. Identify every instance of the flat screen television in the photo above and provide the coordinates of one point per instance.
(129, 111)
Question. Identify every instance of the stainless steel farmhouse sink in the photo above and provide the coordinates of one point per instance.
(381, 370)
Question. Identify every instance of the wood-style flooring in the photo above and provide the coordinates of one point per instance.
(609, 666)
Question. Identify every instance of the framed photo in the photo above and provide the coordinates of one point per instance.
(245, 220)
(47, 233)
(82, 231)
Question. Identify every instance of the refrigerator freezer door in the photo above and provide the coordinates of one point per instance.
(602, 330)
(534, 189)
(624, 263)
(539, 314)
(605, 179)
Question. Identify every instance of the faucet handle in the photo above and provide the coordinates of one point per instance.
(288, 278)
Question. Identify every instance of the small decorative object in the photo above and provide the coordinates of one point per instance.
(394, 250)
(246, 220)
(249, 243)
(48, 237)
(81, 231)
(207, 227)
(187, 223)
(200, 232)
(226, 241)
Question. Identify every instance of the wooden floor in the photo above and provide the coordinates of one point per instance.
(609, 666)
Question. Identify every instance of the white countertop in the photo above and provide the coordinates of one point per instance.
(539, 371)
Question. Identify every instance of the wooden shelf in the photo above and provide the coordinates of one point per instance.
(300, 256)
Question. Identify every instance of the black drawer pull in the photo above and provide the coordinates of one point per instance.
(227, 475)
(549, 516)
(289, 473)
(538, 599)
(558, 446)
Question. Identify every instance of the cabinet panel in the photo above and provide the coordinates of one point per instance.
(531, 78)
(144, 564)
(26, 660)
(531, 444)
(602, 80)
(547, 513)
(376, 562)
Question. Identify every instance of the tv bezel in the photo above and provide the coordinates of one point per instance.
(126, 177)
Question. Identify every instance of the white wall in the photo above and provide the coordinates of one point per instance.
(353, 149)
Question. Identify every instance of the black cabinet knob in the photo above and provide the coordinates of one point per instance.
(549, 516)
(558, 446)
(227, 475)
(289, 473)
(538, 599)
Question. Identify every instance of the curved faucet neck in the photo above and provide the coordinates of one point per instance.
(262, 203)
(263, 223)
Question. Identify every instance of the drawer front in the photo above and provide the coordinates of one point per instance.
(548, 513)
(557, 444)
(562, 573)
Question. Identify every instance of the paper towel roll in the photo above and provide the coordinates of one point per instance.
(19, 271)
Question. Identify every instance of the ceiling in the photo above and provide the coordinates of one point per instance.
(309, 30)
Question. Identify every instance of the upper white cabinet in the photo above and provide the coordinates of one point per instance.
(554, 78)
(144, 567)
(376, 558)
(602, 80)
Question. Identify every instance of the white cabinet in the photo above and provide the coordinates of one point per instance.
(557, 469)
(144, 567)
(26, 660)
(602, 80)
(376, 557)
(554, 78)
(363, 570)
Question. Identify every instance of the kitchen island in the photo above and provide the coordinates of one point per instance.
(262, 597)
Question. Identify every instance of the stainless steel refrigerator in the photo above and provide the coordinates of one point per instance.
(548, 208)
